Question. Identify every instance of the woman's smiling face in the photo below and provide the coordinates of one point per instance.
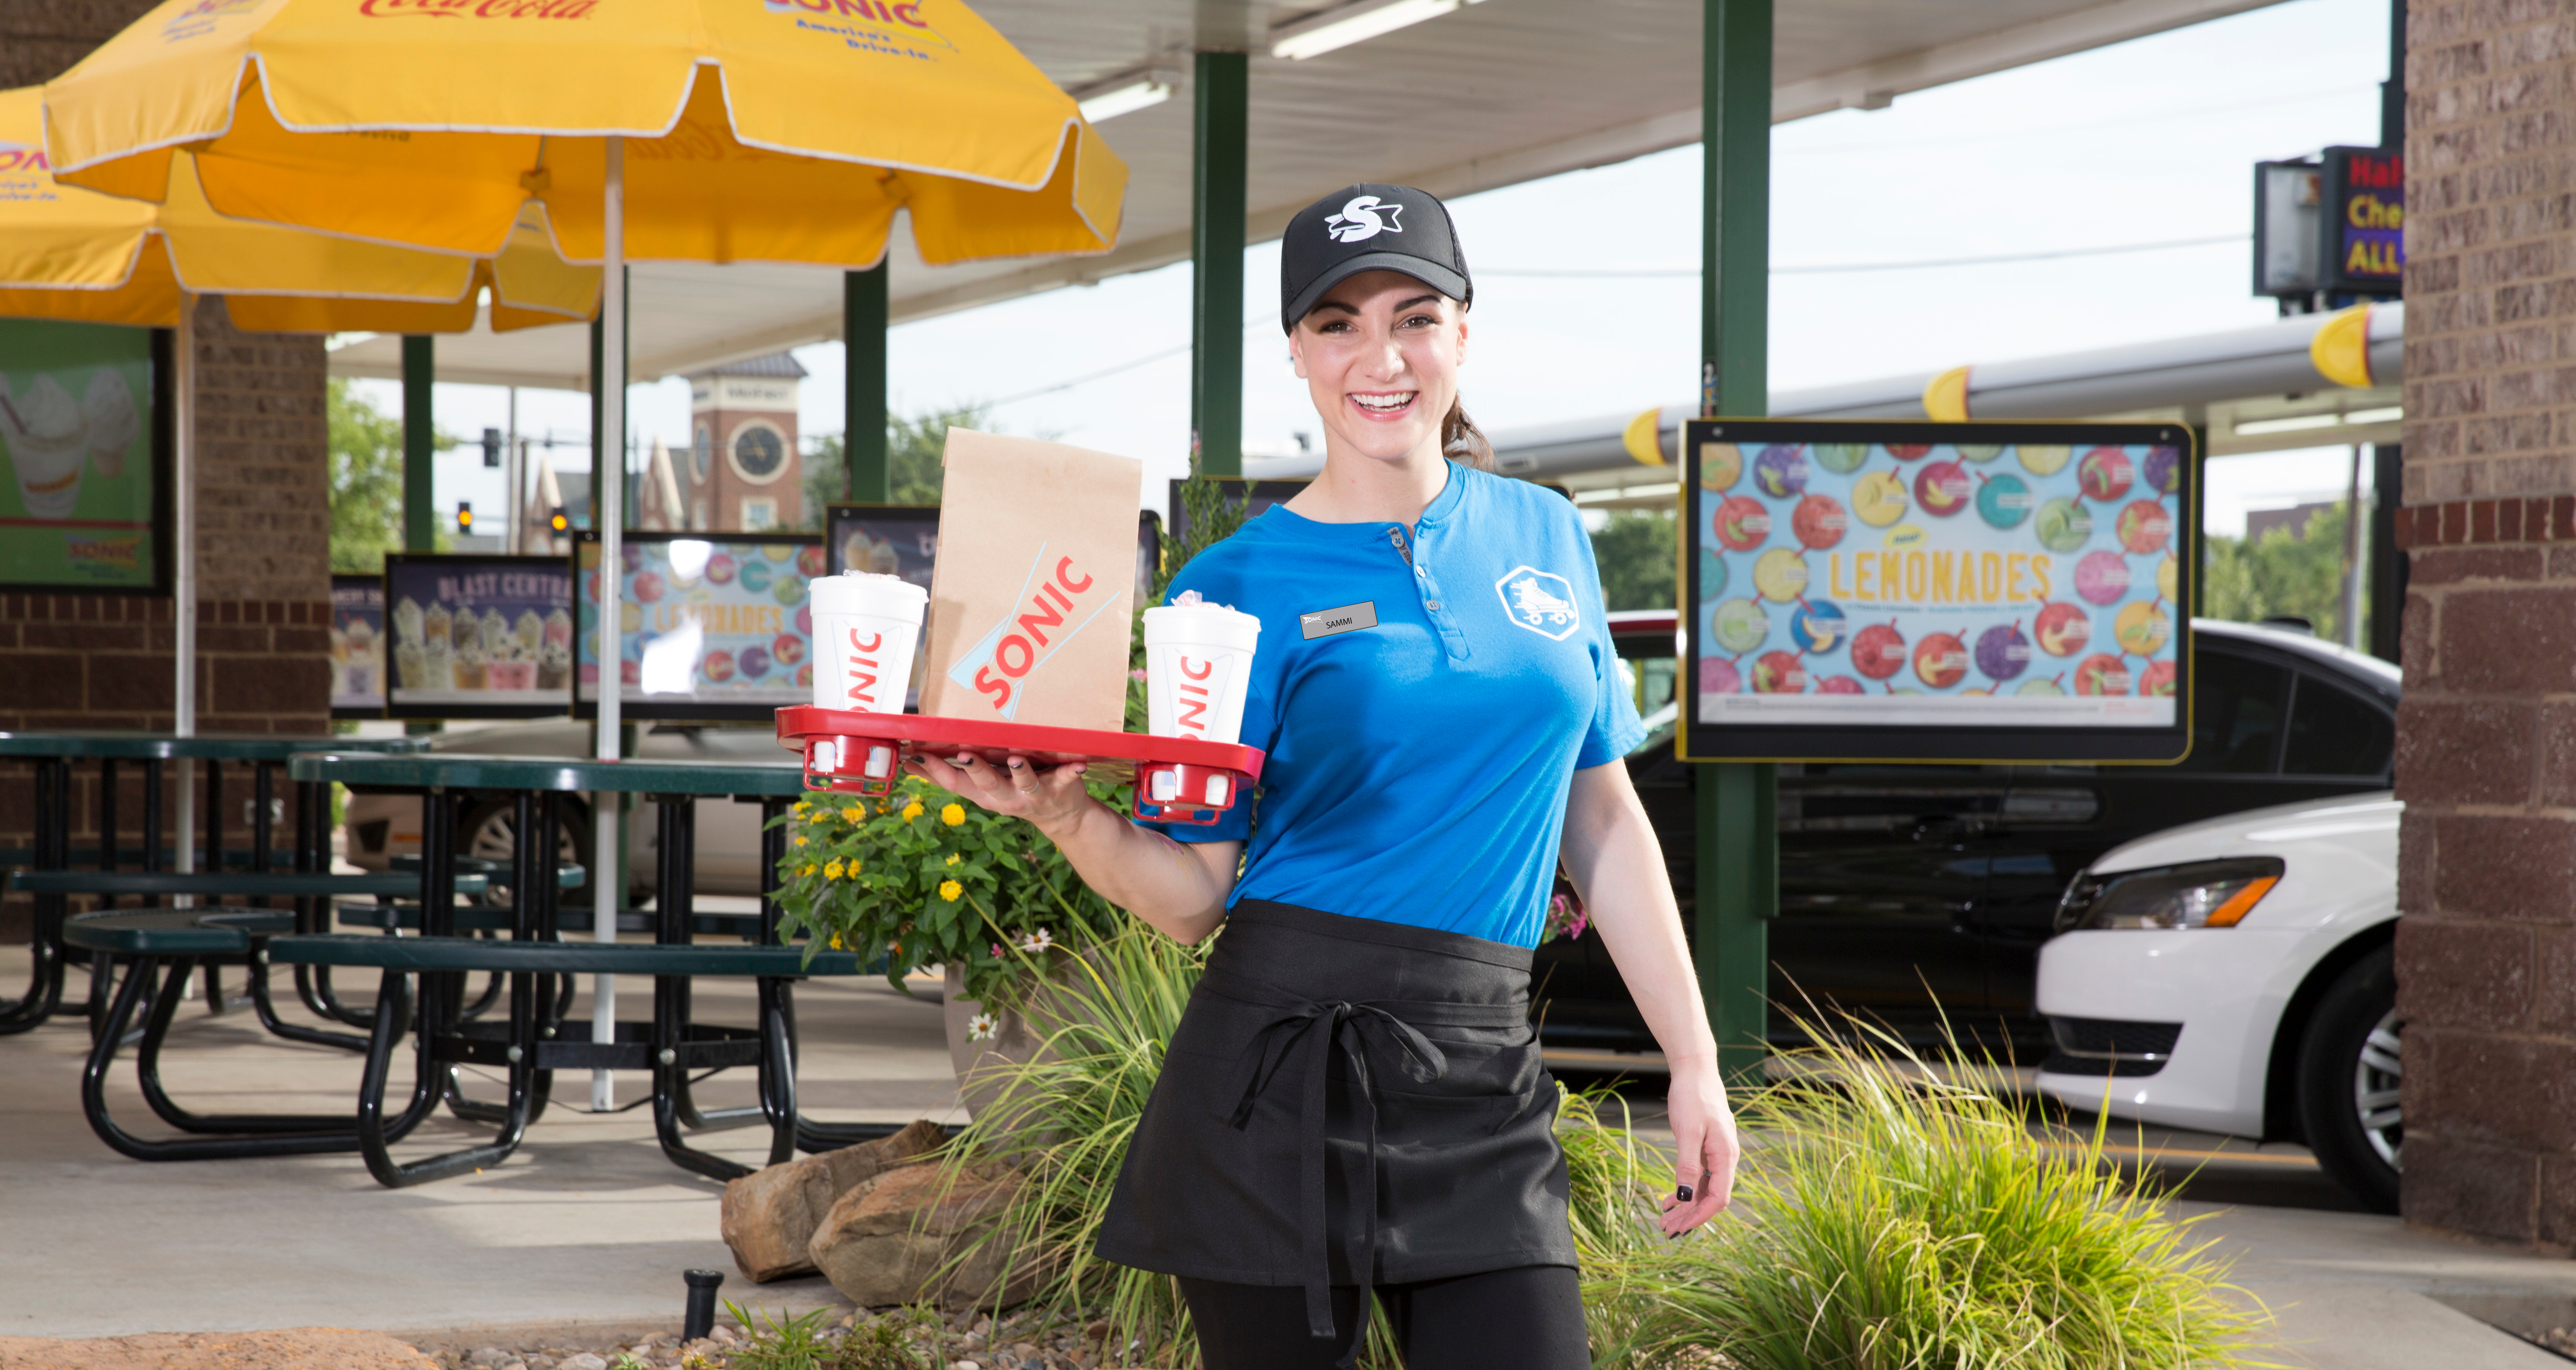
(1379, 355)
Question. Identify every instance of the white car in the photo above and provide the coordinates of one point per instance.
(2237, 976)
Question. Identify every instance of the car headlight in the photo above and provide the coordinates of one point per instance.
(2202, 894)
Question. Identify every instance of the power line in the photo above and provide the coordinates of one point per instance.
(1837, 268)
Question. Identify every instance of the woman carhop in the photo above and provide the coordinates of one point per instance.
(1353, 1100)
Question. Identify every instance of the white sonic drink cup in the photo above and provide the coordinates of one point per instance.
(866, 629)
(1198, 659)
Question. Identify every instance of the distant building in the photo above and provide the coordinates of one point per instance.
(743, 471)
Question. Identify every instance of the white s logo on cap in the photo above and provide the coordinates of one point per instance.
(1359, 219)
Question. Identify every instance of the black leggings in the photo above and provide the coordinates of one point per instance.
(1529, 1318)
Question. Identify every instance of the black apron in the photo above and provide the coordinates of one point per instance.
(1346, 1102)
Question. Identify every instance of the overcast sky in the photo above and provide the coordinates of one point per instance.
(2148, 142)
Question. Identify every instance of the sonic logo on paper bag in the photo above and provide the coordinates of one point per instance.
(1058, 603)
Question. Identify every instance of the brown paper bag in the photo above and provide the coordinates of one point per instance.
(1033, 599)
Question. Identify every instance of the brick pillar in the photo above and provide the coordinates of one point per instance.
(2486, 761)
(263, 580)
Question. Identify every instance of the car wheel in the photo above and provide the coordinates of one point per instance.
(2349, 1073)
(491, 831)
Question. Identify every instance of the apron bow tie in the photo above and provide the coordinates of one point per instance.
(1353, 1029)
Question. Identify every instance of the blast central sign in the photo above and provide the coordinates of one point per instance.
(1923, 591)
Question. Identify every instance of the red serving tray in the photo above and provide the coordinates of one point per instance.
(1178, 779)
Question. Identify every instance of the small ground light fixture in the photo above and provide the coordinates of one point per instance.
(1343, 25)
(1126, 99)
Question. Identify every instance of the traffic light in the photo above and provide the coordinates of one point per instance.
(464, 517)
(492, 448)
(559, 520)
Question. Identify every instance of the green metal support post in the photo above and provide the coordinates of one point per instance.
(1217, 207)
(863, 392)
(1738, 883)
(420, 443)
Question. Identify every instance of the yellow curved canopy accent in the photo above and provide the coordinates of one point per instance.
(1643, 438)
(70, 253)
(2340, 347)
(758, 130)
(1945, 400)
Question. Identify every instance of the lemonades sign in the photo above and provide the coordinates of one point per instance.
(1930, 591)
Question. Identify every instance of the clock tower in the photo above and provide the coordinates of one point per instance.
(743, 472)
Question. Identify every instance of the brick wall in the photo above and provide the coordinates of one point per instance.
(39, 39)
(2486, 948)
(263, 585)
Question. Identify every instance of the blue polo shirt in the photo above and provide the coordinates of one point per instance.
(1425, 695)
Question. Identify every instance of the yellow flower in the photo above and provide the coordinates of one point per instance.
(953, 815)
(855, 812)
(832, 871)
(912, 810)
(800, 841)
(836, 941)
(854, 868)
(810, 868)
(954, 858)
(950, 889)
(801, 806)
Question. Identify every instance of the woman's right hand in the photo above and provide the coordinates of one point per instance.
(1054, 800)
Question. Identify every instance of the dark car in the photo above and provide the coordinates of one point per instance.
(1911, 892)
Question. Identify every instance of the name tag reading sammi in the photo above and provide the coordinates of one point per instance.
(1349, 618)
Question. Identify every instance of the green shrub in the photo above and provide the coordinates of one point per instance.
(810, 1342)
(1885, 1220)
(928, 879)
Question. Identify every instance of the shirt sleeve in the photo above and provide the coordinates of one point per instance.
(1260, 729)
(1615, 729)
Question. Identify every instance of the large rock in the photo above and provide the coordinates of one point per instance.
(770, 1215)
(887, 1241)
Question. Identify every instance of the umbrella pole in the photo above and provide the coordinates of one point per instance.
(607, 514)
(183, 578)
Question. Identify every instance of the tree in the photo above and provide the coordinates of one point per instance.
(366, 482)
(2280, 574)
(1635, 553)
(913, 470)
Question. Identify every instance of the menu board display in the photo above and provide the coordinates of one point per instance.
(888, 540)
(84, 440)
(357, 646)
(479, 636)
(1928, 591)
(713, 627)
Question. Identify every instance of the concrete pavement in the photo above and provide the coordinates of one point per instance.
(588, 1228)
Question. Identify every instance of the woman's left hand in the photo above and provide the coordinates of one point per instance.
(1704, 1138)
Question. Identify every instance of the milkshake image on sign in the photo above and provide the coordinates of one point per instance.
(1197, 657)
(113, 422)
(867, 628)
(46, 443)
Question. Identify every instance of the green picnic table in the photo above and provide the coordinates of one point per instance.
(53, 755)
(671, 1043)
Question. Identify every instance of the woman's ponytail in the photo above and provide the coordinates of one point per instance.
(1462, 441)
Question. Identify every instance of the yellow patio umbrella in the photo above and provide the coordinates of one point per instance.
(782, 130)
(75, 254)
(72, 254)
(671, 130)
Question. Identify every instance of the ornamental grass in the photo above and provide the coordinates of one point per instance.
(1885, 1220)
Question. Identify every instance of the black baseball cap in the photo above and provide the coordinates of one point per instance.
(1368, 227)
